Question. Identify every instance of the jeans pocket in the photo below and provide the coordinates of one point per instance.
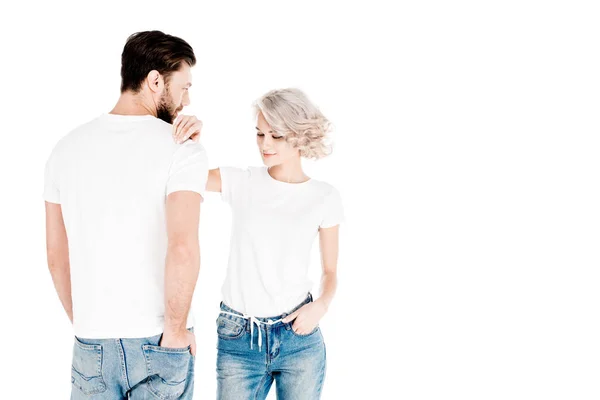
(290, 327)
(86, 369)
(229, 329)
(168, 370)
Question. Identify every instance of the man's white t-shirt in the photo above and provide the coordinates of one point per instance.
(274, 227)
(111, 177)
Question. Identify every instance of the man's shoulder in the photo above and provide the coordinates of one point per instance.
(193, 146)
(75, 134)
(189, 150)
(160, 126)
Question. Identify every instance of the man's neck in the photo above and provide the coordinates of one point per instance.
(132, 104)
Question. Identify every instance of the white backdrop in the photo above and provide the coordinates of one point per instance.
(466, 152)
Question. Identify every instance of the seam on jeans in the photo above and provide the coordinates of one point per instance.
(260, 385)
(323, 373)
(239, 320)
(168, 350)
(87, 346)
(123, 364)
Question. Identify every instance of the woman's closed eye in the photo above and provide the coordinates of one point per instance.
(274, 137)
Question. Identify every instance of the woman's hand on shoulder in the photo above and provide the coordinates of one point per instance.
(186, 127)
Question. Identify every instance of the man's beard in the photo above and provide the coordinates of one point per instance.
(166, 110)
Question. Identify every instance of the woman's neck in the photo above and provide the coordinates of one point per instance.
(288, 172)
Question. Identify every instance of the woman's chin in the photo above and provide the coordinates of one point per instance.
(269, 162)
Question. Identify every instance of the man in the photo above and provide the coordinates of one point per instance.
(123, 200)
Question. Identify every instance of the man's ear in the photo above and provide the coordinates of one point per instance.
(155, 81)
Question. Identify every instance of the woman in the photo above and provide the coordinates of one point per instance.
(268, 325)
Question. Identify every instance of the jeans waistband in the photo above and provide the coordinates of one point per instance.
(308, 299)
(258, 321)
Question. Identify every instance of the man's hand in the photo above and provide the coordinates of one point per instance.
(179, 340)
(186, 127)
(307, 317)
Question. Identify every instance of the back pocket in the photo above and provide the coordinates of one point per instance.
(168, 370)
(86, 370)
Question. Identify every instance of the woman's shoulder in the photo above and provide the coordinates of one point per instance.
(324, 188)
(236, 170)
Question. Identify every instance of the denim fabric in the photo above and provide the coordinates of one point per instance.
(134, 369)
(296, 363)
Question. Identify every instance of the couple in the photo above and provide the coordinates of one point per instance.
(123, 195)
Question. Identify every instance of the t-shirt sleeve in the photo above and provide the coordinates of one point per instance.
(51, 181)
(231, 182)
(189, 169)
(333, 211)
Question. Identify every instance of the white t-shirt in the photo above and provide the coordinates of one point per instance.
(111, 177)
(274, 226)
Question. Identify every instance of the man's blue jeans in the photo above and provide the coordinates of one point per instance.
(135, 369)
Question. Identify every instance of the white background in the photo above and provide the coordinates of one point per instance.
(466, 152)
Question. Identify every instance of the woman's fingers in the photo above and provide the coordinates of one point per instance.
(192, 129)
(302, 329)
(185, 127)
(177, 123)
(291, 317)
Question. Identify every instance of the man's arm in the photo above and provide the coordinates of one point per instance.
(182, 266)
(57, 249)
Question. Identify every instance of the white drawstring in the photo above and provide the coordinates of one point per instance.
(254, 321)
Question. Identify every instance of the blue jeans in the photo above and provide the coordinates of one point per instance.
(295, 362)
(115, 369)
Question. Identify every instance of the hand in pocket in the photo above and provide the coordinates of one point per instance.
(179, 340)
(306, 318)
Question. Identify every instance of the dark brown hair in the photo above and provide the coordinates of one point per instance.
(152, 50)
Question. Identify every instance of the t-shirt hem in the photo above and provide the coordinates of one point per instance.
(273, 311)
(331, 224)
(186, 189)
(51, 199)
(119, 333)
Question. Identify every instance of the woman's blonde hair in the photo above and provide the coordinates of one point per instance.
(290, 113)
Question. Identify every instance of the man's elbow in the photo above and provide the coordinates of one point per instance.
(183, 251)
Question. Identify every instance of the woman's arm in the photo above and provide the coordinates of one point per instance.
(329, 244)
(213, 184)
(308, 317)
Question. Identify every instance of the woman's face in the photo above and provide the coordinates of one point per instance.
(274, 149)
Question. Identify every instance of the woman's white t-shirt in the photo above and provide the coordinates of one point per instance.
(274, 226)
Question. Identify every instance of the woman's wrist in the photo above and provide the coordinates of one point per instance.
(323, 303)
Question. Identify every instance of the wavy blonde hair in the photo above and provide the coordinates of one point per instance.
(290, 113)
